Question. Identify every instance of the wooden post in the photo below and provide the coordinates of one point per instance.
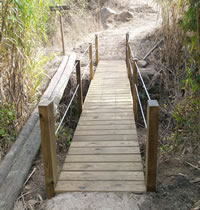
(152, 144)
(198, 35)
(47, 128)
(135, 82)
(62, 34)
(91, 62)
(97, 49)
(128, 61)
(127, 39)
(79, 82)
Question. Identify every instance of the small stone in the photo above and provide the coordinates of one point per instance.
(142, 63)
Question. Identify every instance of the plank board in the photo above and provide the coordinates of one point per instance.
(104, 155)
(102, 167)
(100, 186)
(104, 132)
(106, 138)
(103, 158)
(101, 176)
(104, 144)
(103, 150)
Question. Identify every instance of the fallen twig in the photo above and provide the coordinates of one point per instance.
(34, 170)
(24, 195)
(192, 165)
(155, 46)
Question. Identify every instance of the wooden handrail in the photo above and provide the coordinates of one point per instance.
(47, 126)
(152, 120)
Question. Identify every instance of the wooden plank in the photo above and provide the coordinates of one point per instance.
(106, 138)
(90, 114)
(102, 158)
(100, 186)
(103, 150)
(102, 167)
(104, 144)
(104, 132)
(106, 127)
(101, 176)
(108, 122)
(104, 118)
(99, 106)
(113, 110)
(116, 103)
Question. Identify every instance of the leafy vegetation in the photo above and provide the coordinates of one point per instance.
(182, 57)
(24, 27)
(7, 128)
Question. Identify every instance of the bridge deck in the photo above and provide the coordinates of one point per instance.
(104, 155)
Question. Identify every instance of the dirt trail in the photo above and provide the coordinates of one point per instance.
(112, 46)
(145, 20)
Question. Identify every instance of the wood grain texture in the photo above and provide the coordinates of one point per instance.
(101, 176)
(152, 144)
(106, 138)
(104, 155)
(104, 144)
(103, 150)
(102, 167)
(103, 158)
(100, 186)
(47, 127)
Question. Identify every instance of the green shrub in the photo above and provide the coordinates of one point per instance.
(7, 126)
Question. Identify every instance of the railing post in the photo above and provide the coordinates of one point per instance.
(152, 144)
(79, 82)
(97, 49)
(127, 40)
(62, 34)
(47, 128)
(91, 62)
(128, 60)
(135, 82)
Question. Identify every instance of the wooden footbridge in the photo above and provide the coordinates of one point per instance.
(104, 155)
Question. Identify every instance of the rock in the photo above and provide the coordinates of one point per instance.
(124, 16)
(142, 63)
(106, 13)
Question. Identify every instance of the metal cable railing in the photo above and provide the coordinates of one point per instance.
(67, 109)
(144, 86)
(139, 101)
(130, 59)
(77, 87)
